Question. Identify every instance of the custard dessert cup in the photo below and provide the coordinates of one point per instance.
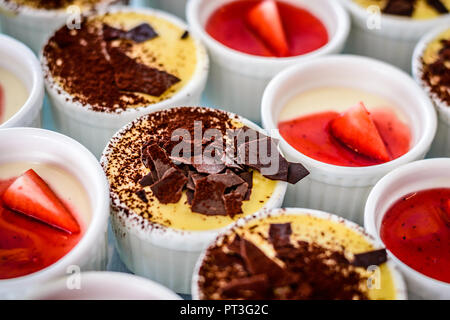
(21, 85)
(73, 172)
(163, 220)
(258, 256)
(388, 37)
(426, 54)
(152, 63)
(237, 80)
(343, 190)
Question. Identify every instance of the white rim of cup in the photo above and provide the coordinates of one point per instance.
(421, 146)
(29, 59)
(399, 283)
(393, 21)
(197, 79)
(99, 209)
(417, 65)
(339, 38)
(162, 235)
(124, 280)
(374, 196)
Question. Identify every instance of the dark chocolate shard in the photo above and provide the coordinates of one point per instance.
(170, 188)
(142, 195)
(242, 190)
(370, 258)
(181, 160)
(280, 234)
(233, 203)
(138, 34)
(208, 197)
(438, 5)
(257, 262)
(235, 246)
(159, 159)
(185, 35)
(229, 178)
(147, 180)
(254, 287)
(400, 7)
(247, 176)
(133, 76)
(189, 196)
(296, 172)
(65, 37)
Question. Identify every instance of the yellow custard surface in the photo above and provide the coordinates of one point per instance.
(431, 52)
(422, 10)
(326, 233)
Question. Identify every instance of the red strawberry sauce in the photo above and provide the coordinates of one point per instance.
(311, 136)
(416, 229)
(304, 32)
(26, 245)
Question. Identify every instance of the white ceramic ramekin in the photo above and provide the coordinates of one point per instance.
(38, 145)
(177, 7)
(415, 176)
(399, 284)
(33, 26)
(102, 286)
(237, 80)
(441, 143)
(94, 129)
(393, 41)
(337, 189)
(160, 253)
(18, 59)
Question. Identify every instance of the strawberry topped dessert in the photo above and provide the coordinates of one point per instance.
(267, 28)
(343, 135)
(37, 225)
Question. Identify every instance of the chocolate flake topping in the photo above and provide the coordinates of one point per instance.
(185, 35)
(406, 7)
(238, 269)
(138, 34)
(437, 74)
(217, 183)
(370, 258)
(438, 5)
(133, 76)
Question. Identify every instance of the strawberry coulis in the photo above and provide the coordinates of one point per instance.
(416, 229)
(304, 32)
(311, 136)
(27, 245)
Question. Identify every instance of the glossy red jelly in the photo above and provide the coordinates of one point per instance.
(311, 136)
(416, 229)
(27, 245)
(304, 32)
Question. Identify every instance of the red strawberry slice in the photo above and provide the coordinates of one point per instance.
(356, 129)
(30, 195)
(265, 20)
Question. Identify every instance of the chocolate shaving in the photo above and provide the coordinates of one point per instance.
(233, 203)
(138, 34)
(370, 258)
(170, 188)
(147, 180)
(257, 285)
(208, 197)
(438, 5)
(142, 195)
(247, 176)
(185, 35)
(400, 7)
(280, 234)
(130, 75)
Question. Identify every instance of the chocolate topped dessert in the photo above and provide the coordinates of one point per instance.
(120, 60)
(194, 168)
(292, 257)
(416, 9)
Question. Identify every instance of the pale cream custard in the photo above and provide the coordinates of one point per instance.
(295, 256)
(13, 95)
(416, 9)
(149, 179)
(122, 60)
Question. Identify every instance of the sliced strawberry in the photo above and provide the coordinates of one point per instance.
(30, 195)
(265, 20)
(356, 129)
